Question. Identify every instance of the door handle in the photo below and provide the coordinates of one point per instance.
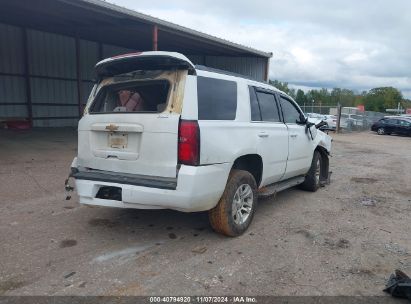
(293, 135)
(263, 134)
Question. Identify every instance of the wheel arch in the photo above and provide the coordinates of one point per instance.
(252, 163)
(325, 161)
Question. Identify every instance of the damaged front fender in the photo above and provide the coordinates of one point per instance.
(325, 141)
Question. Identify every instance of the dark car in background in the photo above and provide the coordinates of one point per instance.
(389, 125)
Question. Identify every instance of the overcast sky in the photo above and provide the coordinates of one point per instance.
(355, 44)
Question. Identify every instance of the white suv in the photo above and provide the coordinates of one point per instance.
(159, 132)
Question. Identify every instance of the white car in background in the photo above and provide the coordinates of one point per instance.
(331, 121)
(316, 118)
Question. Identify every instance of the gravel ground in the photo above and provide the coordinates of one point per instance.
(345, 239)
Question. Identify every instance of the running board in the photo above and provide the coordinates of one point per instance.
(280, 186)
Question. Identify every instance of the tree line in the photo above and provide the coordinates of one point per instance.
(377, 99)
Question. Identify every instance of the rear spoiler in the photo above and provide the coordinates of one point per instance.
(143, 61)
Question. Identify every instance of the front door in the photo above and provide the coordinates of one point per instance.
(301, 146)
(404, 127)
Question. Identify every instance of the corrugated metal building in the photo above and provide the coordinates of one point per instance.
(48, 49)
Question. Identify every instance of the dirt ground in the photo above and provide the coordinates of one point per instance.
(345, 239)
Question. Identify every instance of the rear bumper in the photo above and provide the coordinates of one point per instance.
(196, 189)
(127, 179)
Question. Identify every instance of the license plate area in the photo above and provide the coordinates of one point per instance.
(117, 140)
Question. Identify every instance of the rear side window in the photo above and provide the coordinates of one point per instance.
(268, 107)
(141, 97)
(263, 106)
(290, 112)
(217, 99)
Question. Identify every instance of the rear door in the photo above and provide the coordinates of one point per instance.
(271, 133)
(132, 121)
(391, 126)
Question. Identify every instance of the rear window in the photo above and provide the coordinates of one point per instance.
(392, 121)
(217, 99)
(141, 97)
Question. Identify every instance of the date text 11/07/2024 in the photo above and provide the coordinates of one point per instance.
(203, 299)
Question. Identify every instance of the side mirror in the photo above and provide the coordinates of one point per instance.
(303, 120)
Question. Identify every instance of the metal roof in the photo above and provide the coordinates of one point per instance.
(164, 25)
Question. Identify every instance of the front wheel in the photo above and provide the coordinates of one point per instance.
(313, 178)
(381, 131)
(237, 205)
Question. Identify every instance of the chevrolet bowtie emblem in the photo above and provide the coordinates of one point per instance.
(111, 127)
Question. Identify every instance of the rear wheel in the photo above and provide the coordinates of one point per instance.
(313, 179)
(381, 131)
(236, 208)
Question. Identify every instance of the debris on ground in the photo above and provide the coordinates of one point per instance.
(368, 201)
(68, 243)
(340, 243)
(396, 248)
(399, 285)
(199, 250)
(69, 275)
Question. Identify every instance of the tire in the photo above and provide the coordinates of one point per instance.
(221, 217)
(380, 131)
(312, 179)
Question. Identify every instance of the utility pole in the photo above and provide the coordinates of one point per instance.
(337, 128)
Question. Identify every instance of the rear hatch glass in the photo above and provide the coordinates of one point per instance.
(134, 97)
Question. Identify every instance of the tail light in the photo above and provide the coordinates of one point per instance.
(189, 143)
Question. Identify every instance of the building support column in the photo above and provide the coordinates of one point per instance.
(267, 70)
(27, 76)
(155, 38)
(78, 76)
